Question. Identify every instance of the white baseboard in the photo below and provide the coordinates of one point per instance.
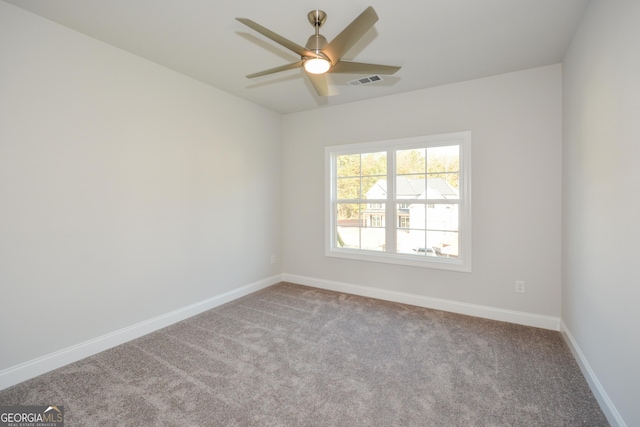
(33, 368)
(511, 316)
(607, 406)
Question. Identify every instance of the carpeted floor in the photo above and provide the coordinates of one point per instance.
(292, 355)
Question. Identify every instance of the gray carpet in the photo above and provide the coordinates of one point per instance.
(292, 355)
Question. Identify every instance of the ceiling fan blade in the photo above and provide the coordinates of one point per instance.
(275, 37)
(276, 69)
(350, 35)
(319, 82)
(347, 67)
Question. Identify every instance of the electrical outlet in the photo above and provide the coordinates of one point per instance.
(520, 286)
(273, 259)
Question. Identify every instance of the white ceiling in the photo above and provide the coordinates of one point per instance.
(435, 41)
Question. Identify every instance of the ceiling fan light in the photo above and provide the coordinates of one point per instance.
(317, 65)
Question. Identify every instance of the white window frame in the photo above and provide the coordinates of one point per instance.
(462, 263)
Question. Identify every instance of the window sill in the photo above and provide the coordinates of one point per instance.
(440, 263)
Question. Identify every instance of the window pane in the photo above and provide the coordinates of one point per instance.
(373, 216)
(442, 217)
(443, 159)
(443, 186)
(360, 228)
(409, 241)
(374, 188)
(372, 235)
(417, 216)
(403, 215)
(373, 239)
(410, 161)
(410, 187)
(348, 237)
(348, 165)
(410, 236)
(374, 164)
(348, 188)
(445, 244)
(443, 166)
(348, 214)
(348, 225)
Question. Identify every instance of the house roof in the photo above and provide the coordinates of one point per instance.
(414, 188)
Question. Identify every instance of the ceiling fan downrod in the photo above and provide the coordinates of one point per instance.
(317, 41)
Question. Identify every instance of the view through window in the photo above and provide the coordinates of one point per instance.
(402, 201)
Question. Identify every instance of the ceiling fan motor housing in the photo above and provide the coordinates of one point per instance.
(316, 43)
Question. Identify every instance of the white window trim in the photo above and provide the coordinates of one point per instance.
(463, 262)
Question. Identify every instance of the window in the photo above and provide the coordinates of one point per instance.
(422, 184)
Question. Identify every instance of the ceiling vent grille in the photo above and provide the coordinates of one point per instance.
(365, 81)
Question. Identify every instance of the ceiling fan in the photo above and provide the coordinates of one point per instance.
(319, 57)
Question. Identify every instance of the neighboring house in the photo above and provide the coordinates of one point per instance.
(438, 220)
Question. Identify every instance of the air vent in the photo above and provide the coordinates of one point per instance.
(365, 81)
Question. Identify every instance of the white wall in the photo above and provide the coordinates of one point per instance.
(515, 121)
(126, 190)
(601, 192)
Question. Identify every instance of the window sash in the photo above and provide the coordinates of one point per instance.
(391, 205)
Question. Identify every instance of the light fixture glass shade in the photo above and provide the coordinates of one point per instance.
(317, 65)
